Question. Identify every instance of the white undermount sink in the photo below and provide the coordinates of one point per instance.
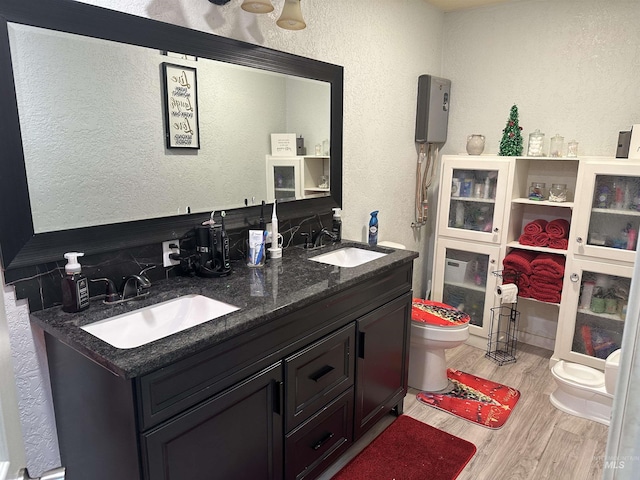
(145, 325)
(348, 257)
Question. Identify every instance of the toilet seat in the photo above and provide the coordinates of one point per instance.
(438, 315)
(578, 375)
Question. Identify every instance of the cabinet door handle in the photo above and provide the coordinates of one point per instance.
(361, 344)
(277, 397)
(496, 230)
(574, 277)
(323, 440)
(579, 239)
(321, 373)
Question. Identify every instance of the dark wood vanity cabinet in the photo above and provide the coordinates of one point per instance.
(382, 362)
(249, 414)
(282, 402)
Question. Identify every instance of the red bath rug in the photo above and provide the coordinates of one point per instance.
(475, 399)
(410, 450)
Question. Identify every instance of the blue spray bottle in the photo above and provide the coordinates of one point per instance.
(373, 229)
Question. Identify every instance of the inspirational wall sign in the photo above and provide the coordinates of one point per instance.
(181, 106)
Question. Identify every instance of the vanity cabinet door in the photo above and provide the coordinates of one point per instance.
(382, 360)
(237, 434)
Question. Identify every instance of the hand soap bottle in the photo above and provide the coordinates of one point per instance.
(75, 286)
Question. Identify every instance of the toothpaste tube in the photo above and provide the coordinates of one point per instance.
(256, 247)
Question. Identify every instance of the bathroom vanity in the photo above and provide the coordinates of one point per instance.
(280, 388)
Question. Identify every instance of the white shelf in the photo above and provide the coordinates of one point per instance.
(516, 244)
(615, 211)
(467, 286)
(474, 199)
(316, 189)
(545, 203)
(609, 316)
(529, 299)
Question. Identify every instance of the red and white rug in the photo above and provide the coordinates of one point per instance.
(475, 399)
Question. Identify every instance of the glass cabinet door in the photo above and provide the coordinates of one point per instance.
(474, 198)
(596, 308)
(463, 279)
(609, 215)
(284, 179)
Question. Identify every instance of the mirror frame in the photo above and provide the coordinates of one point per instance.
(19, 245)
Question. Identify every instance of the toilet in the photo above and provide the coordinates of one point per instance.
(584, 391)
(435, 327)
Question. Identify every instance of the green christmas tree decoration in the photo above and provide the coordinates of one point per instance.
(511, 143)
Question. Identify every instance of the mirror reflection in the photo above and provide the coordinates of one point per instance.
(92, 118)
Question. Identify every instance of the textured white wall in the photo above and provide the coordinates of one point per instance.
(571, 66)
(33, 389)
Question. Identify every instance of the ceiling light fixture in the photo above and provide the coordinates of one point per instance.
(291, 17)
(257, 6)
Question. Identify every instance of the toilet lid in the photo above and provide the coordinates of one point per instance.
(436, 313)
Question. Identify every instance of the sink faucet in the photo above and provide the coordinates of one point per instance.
(133, 286)
(316, 240)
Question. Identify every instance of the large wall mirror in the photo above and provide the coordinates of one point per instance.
(86, 164)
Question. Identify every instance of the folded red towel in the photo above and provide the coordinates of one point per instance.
(521, 280)
(548, 265)
(559, 243)
(537, 226)
(524, 292)
(541, 239)
(545, 284)
(527, 239)
(519, 261)
(546, 297)
(558, 228)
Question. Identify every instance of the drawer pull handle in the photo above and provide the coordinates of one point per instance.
(322, 441)
(321, 373)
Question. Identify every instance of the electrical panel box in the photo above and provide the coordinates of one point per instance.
(432, 115)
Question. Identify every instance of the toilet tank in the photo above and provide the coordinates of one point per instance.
(611, 371)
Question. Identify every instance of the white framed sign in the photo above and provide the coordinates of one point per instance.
(283, 144)
(181, 106)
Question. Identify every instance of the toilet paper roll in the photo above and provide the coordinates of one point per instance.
(507, 293)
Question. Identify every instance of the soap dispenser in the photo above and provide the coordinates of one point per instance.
(75, 286)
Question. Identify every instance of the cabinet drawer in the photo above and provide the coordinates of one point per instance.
(318, 373)
(316, 444)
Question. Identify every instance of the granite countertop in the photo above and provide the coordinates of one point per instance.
(263, 294)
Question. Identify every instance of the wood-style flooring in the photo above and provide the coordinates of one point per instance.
(537, 442)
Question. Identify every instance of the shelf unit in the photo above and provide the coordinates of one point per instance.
(297, 177)
(594, 245)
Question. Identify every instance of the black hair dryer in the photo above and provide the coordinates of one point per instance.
(212, 247)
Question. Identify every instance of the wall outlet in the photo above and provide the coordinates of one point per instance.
(166, 250)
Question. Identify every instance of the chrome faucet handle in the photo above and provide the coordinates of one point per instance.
(316, 241)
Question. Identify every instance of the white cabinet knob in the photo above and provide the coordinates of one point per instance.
(496, 230)
(579, 239)
(574, 277)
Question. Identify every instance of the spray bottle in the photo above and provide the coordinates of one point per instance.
(373, 229)
(336, 227)
(75, 286)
